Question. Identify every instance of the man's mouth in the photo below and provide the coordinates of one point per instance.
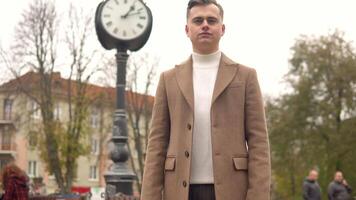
(205, 34)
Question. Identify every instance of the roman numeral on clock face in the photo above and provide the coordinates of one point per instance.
(140, 26)
(109, 23)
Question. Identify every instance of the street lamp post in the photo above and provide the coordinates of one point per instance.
(120, 178)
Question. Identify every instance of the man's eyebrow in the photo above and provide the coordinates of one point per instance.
(201, 17)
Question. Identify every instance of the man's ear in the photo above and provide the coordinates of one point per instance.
(222, 29)
(186, 29)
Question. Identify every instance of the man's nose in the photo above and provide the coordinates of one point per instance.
(205, 25)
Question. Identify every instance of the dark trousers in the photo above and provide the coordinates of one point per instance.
(201, 192)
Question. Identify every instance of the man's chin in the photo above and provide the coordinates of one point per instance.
(205, 40)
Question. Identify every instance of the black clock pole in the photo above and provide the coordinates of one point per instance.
(120, 178)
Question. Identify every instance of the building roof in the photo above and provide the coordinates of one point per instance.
(31, 80)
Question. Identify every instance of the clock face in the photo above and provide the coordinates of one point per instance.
(125, 19)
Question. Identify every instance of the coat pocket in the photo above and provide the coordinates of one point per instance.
(170, 163)
(240, 163)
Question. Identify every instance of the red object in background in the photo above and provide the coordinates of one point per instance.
(80, 190)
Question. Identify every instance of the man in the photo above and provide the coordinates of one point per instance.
(208, 136)
(339, 189)
(311, 188)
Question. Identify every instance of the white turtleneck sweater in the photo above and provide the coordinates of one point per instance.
(205, 69)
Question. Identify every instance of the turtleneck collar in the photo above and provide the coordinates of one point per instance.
(207, 60)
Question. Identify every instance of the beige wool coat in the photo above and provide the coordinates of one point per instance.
(240, 147)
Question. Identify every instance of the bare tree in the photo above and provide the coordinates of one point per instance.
(78, 32)
(35, 48)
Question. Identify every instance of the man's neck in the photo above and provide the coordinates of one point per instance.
(205, 51)
(206, 60)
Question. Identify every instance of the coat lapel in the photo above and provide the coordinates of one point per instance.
(226, 73)
(184, 78)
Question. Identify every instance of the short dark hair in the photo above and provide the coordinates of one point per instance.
(193, 3)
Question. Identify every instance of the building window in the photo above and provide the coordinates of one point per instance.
(94, 118)
(94, 146)
(35, 110)
(93, 172)
(32, 168)
(3, 162)
(7, 109)
(32, 138)
(57, 112)
(6, 140)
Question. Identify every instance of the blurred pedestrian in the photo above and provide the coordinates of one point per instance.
(339, 189)
(311, 188)
(15, 183)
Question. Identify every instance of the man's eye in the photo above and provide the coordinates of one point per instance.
(212, 21)
(198, 21)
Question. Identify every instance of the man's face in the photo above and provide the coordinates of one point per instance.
(313, 175)
(338, 177)
(205, 28)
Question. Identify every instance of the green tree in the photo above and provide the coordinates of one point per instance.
(312, 126)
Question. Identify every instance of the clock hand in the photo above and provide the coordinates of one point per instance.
(136, 13)
(132, 8)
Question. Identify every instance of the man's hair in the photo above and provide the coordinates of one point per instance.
(313, 170)
(193, 3)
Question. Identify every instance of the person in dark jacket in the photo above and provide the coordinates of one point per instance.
(311, 188)
(339, 189)
(15, 183)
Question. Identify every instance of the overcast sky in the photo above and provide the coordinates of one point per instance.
(259, 33)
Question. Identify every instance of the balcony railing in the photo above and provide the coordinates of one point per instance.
(7, 148)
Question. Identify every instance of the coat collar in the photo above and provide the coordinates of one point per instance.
(184, 75)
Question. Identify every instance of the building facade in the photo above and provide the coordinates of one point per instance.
(20, 126)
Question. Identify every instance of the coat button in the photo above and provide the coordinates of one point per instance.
(186, 154)
(189, 126)
(184, 184)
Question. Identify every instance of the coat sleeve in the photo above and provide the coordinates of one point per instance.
(349, 189)
(153, 176)
(259, 165)
(331, 191)
(306, 191)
